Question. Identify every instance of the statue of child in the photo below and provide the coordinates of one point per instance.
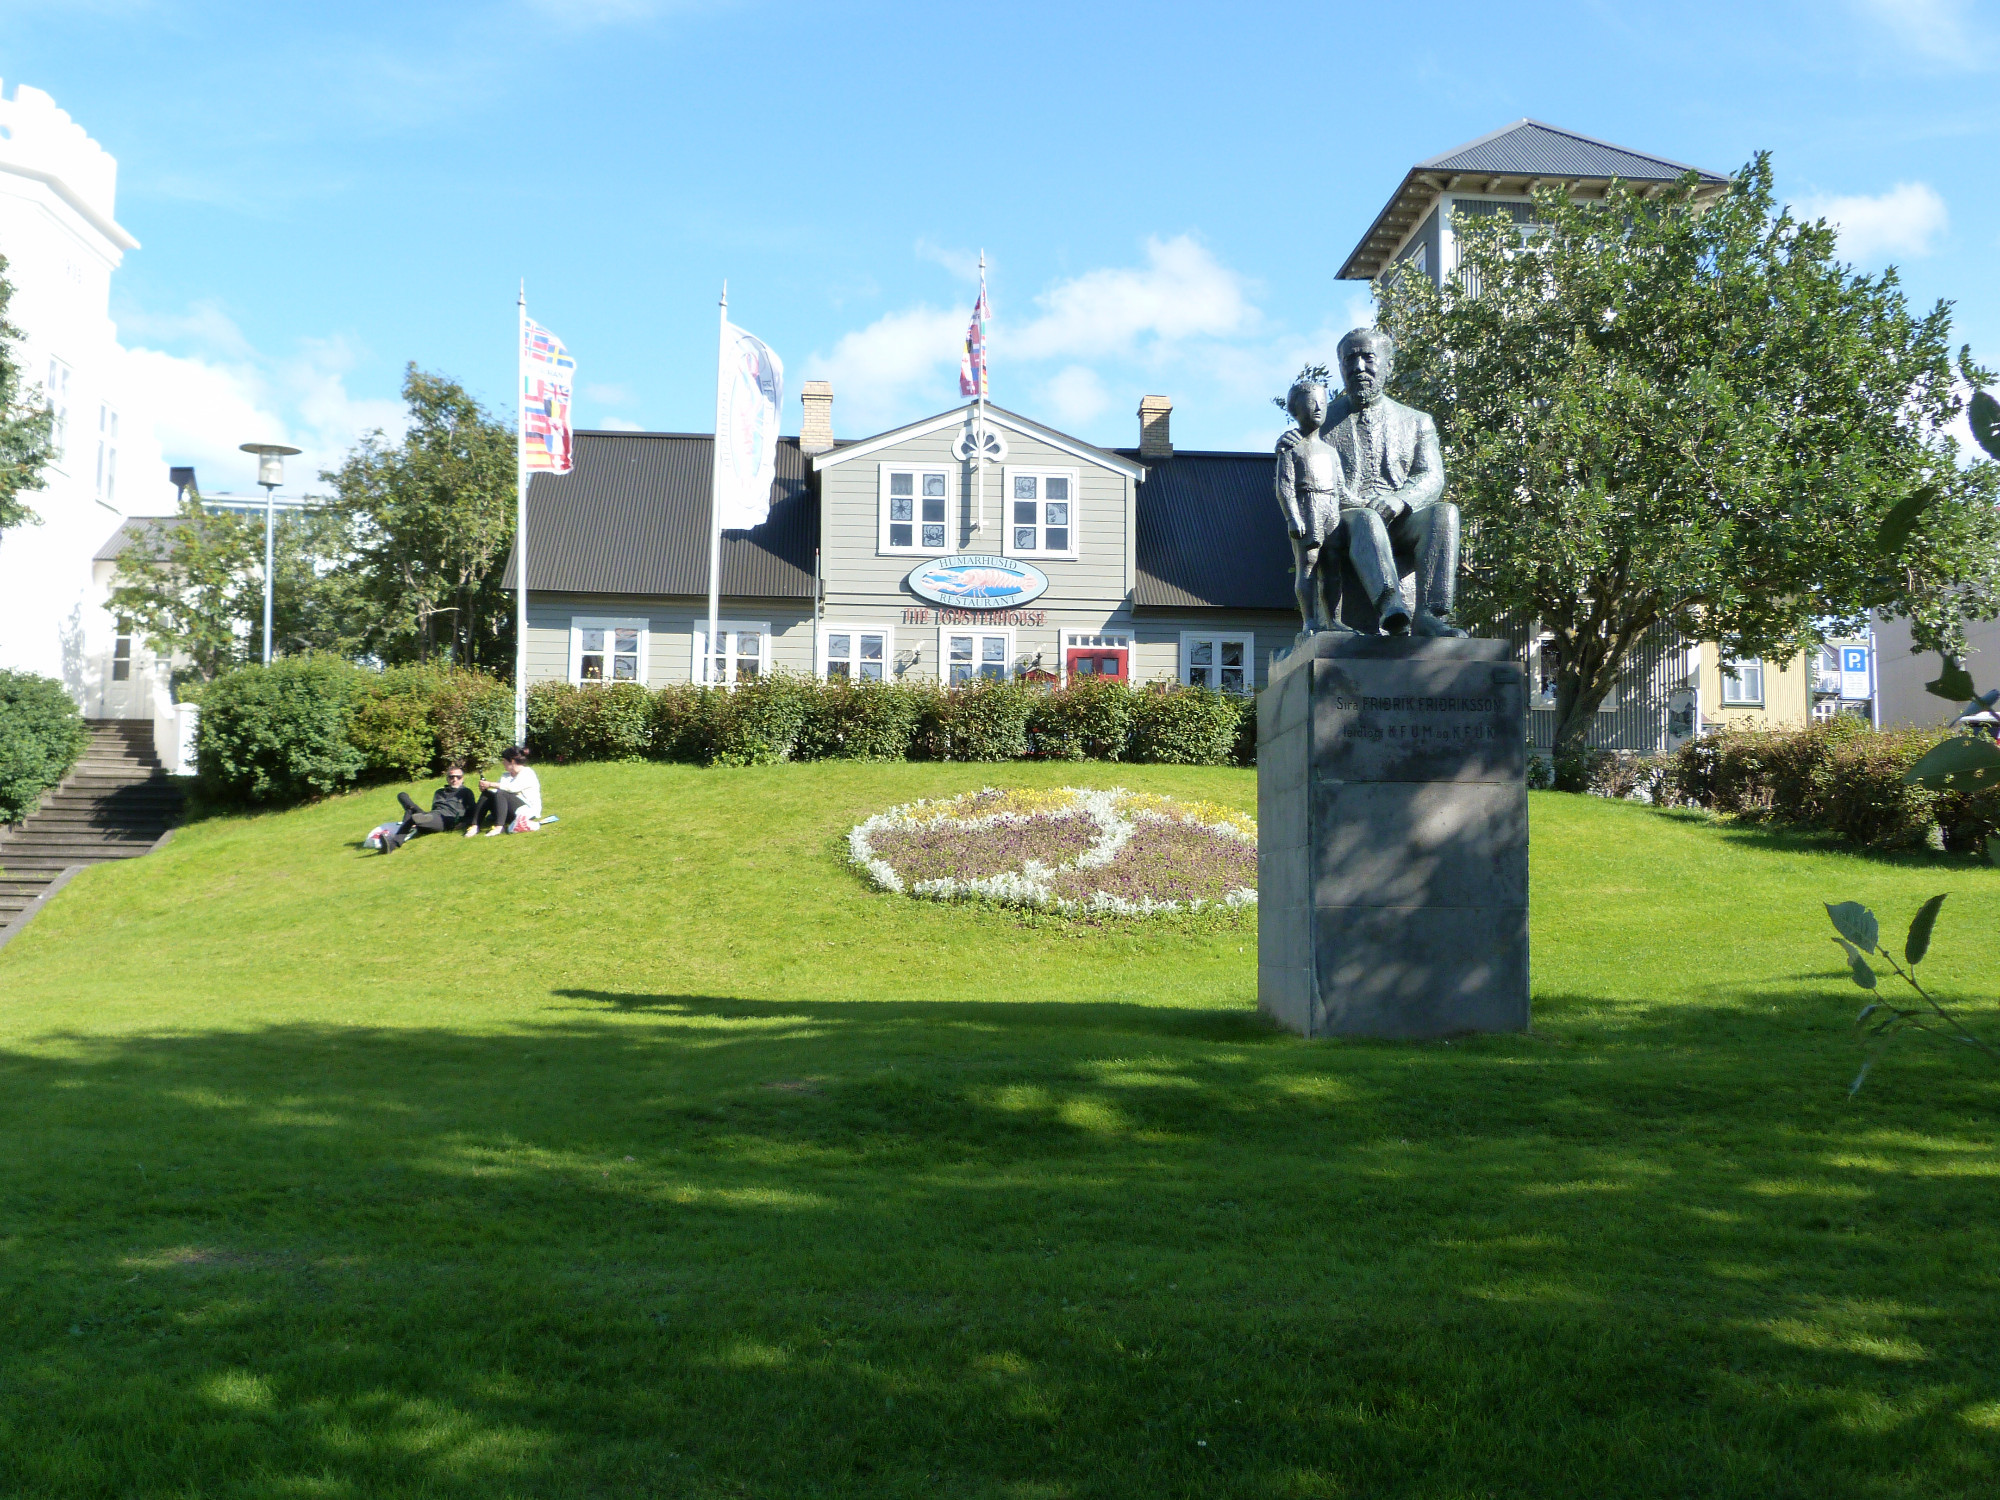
(1310, 486)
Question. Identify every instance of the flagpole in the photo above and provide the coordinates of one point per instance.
(520, 524)
(979, 430)
(715, 503)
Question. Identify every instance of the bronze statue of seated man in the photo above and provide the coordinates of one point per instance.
(1384, 517)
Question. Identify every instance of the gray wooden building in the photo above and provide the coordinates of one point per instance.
(1158, 565)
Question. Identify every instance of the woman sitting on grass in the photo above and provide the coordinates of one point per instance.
(517, 794)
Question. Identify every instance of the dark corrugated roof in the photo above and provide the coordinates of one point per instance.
(1210, 535)
(1526, 150)
(1531, 149)
(115, 545)
(632, 518)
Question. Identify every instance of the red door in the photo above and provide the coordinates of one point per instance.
(1098, 661)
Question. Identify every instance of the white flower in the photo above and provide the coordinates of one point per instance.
(1033, 885)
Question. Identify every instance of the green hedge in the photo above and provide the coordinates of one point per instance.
(783, 717)
(41, 736)
(310, 726)
(1839, 775)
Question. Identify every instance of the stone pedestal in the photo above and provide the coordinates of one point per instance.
(1392, 827)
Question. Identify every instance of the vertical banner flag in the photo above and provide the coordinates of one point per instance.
(749, 394)
(972, 363)
(547, 375)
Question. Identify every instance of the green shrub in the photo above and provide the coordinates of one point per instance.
(281, 733)
(472, 717)
(1575, 770)
(41, 737)
(1628, 775)
(392, 730)
(1838, 775)
(674, 718)
(1185, 726)
(1246, 732)
(1865, 800)
(755, 723)
(845, 720)
(984, 720)
(590, 721)
(1090, 719)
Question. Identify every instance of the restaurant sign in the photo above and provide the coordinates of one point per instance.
(977, 580)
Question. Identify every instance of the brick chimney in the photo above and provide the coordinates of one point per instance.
(816, 425)
(1154, 439)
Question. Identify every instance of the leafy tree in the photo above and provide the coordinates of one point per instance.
(434, 514)
(26, 426)
(1668, 414)
(185, 586)
(195, 587)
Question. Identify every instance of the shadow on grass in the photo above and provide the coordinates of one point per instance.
(1106, 1017)
(699, 1245)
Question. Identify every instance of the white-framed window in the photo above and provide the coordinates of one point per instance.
(1542, 671)
(966, 652)
(107, 454)
(1742, 682)
(58, 394)
(1227, 661)
(743, 650)
(1088, 653)
(916, 504)
(859, 653)
(607, 650)
(121, 653)
(1041, 512)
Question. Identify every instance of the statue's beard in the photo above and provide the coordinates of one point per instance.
(1367, 392)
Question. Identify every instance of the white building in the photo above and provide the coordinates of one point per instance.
(61, 241)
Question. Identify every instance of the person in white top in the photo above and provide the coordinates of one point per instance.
(517, 794)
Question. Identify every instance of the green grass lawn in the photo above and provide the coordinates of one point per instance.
(655, 1155)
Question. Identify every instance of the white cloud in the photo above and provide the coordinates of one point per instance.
(1075, 395)
(1937, 30)
(201, 406)
(964, 264)
(610, 395)
(1181, 293)
(1903, 221)
(878, 370)
(620, 424)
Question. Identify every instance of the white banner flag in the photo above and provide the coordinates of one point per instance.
(749, 393)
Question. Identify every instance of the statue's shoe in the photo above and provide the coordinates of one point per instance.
(1396, 621)
(1428, 624)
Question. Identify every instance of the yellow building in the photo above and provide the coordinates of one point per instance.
(1777, 694)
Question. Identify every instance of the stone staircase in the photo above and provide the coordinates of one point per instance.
(114, 804)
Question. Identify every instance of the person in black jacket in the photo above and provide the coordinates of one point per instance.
(451, 809)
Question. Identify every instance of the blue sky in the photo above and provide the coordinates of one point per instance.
(1164, 191)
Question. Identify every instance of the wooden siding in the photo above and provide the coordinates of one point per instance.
(671, 624)
(856, 569)
(864, 585)
(1429, 238)
(1638, 719)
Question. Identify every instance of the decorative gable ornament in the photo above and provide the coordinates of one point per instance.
(973, 443)
(977, 580)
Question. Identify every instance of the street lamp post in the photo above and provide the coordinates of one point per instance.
(270, 474)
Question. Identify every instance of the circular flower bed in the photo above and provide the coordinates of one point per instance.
(1076, 850)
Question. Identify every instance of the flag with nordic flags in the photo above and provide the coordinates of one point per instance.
(548, 373)
(972, 363)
